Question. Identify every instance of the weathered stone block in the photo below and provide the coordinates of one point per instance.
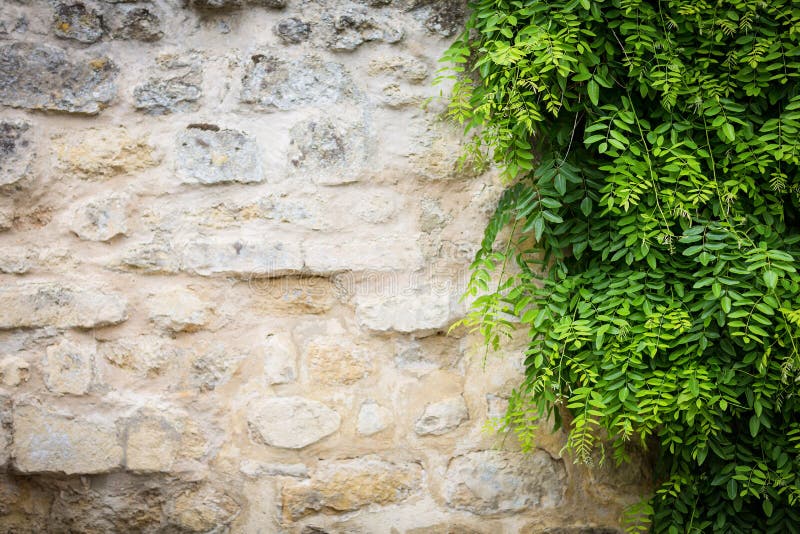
(77, 21)
(69, 366)
(493, 482)
(333, 362)
(442, 417)
(446, 528)
(16, 151)
(406, 68)
(331, 254)
(291, 422)
(138, 22)
(330, 152)
(46, 442)
(101, 218)
(272, 83)
(292, 30)
(240, 257)
(280, 359)
(409, 311)
(16, 260)
(151, 444)
(209, 155)
(349, 27)
(373, 418)
(292, 295)
(203, 509)
(178, 86)
(348, 485)
(227, 4)
(255, 469)
(101, 154)
(179, 310)
(35, 304)
(13, 371)
(145, 354)
(154, 257)
(35, 76)
(214, 367)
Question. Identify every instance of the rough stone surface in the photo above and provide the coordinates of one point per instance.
(46, 442)
(241, 257)
(69, 366)
(138, 21)
(410, 311)
(445, 528)
(272, 83)
(292, 30)
(176, 87)
(16, 151)
(373, 418)
(74, 20)
(291, 422)
(280, 359)
(330, 152)
(101, 219)
(16, 260)
(145, 354)
(151, 444)
(442, 417)
(99, 154)
(209, 155)
(255, 469)
(203, 509)
(214, 367)
(351, 484)
(14, 371)
(332, 362)
(42, 77)
(351, 26)
(179, 311)
(491, 482)
(32, 304)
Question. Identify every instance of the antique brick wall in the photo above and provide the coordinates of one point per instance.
(232, 240)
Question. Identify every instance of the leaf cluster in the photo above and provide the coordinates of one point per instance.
(651, 152)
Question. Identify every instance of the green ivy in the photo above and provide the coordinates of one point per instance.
(651, 154)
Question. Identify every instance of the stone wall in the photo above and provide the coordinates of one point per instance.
(232, 240)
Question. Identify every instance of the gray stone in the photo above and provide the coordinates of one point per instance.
(42, 77)
(209, 155)
(69, 366)
(14, 371)
(138, 22)
(292, 30)
(373, 418)
(330, 152)
(255, 469)
(239, 257)
(145, 354)
(213, 368)
(101, 218)
(352, 26)
(291, 422)
(405, 68)
(272, 83)
(5, 444)
(46, 442)
(493, 482)
(577, 530)
(228, 4)
(16, 151)
(154, 257)
(76, 21)
(39, 304)
(178, 89)
(442, 417)
(441, 17)
(280, 359)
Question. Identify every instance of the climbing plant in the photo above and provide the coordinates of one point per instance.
(647, 238)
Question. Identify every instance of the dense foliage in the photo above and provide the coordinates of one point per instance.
(647, 237)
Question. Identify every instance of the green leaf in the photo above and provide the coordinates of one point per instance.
(593, 90)
(770, 279)
(754, 425)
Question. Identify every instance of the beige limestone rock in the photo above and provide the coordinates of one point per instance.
(179, 310)
(280, 359)
(14, 370)
(46, 442)
(237, 256)
(151, 445)
(37, 304)
(101, 218)
(293, 295)
(214, 367)
(203, 508)
(291, 422)
(418, 310)
(442, 417)
(446, 528)
(146, 354)
(96, 154)
(493, 482)
(256, 469)
(333, 362)
(15, 260)
(373, 418)
(347, 485)
(69, 366)
(209, 155)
